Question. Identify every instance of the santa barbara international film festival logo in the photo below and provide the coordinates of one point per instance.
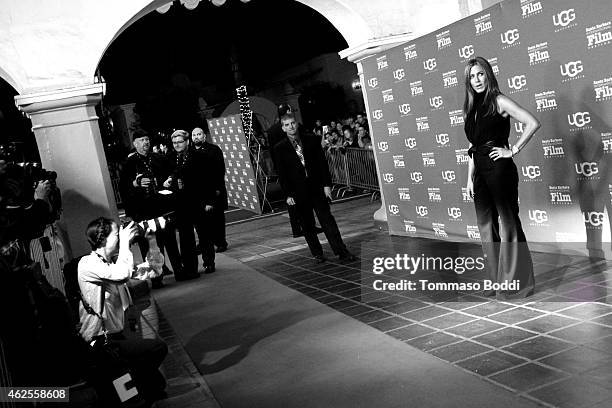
(439, 229)
(603, 89)
(538, 53)
(393, 128)
(399, 162)
(579, 121)
(538, 218)
(606, 142)
(416, 88)
(409, 227)
(456, 117)
(462, 156)
(560, 195)
(586, 170)
(434, 195)
(410, 52)
(465, 195)
(553, 148)
(473, 232)
(483, 24)
(510, 38)
(382, 63)
(530, 8)
(387, 95)
(571, 71)
(599, 35)
(404, 193)
(422, 124)
(450, 79)
(517, 83)
(428, 159)
(546, 101)
(564, 19)
(444, 40)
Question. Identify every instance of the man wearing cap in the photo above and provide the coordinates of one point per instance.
(141, 181)
(214, 156)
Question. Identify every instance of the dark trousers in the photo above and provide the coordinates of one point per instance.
(294, 219)
(316, 200)
(144, 357)
(496, 199)
(166, 241)
(218, 225)
(207, 227)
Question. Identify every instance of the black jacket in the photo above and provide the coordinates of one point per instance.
(144, 203)
(198, 190)
(292, 173)
(215, 161)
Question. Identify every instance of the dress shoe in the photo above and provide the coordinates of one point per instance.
(320, 259)
(222, 248)
(298, 234)
(209, 268)
(319, 230)
(347, 257)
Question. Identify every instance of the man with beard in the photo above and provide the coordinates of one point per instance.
(194, 205)
(214, 156)
(141, 181)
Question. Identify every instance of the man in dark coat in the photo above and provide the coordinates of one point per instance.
(214, 156)
(195, 203)
(306, 182)
(141, 181)
(275, 135)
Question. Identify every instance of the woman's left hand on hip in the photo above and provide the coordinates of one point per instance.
(500, 153)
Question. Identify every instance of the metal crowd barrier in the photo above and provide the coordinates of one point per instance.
(353, 168)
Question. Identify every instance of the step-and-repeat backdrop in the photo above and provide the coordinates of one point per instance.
(553, 57)
(227, 133)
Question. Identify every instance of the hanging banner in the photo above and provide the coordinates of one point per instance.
(554, 58)
(227, 133)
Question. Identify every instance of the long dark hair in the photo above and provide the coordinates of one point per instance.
(490, 94)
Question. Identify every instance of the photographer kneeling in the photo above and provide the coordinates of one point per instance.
(102, 276)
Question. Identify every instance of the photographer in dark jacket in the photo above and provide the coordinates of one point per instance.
(141, 181)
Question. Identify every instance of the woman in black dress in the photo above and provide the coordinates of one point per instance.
(493, 177)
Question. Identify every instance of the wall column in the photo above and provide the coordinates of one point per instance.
(68, 137)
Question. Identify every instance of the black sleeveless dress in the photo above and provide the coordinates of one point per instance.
(496, 202)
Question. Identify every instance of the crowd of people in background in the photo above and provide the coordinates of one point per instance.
(337, 135)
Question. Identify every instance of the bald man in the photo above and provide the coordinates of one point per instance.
(214, 154)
